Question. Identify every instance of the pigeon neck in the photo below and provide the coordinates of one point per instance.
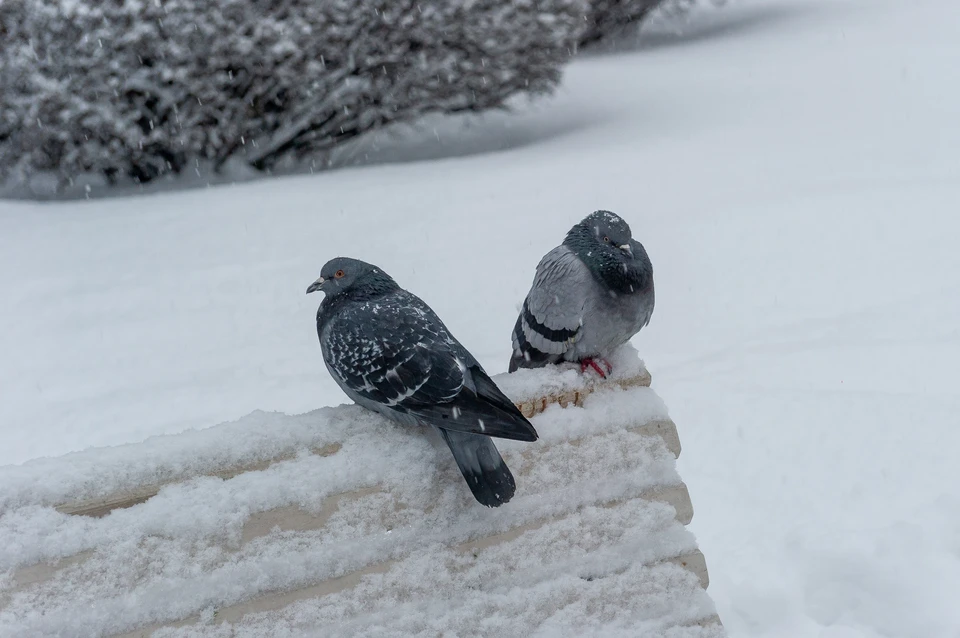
(369, 286)
(607, 265)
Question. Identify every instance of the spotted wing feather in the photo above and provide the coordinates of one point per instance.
(396, 353)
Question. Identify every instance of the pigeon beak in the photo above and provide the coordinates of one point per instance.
(627, 249)
(315, 286)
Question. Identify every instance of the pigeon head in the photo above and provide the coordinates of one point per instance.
(343, 275)
(603, 241)
(604, 231)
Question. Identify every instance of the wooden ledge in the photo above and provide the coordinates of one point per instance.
(100, 507)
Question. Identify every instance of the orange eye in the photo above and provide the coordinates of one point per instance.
(338, 274)
(606, 239)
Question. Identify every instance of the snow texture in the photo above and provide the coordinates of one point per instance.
(790, 165)
(185, 550)
(136, 90)
(526, 385)
(263, 436)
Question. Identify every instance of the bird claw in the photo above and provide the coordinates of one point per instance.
(590, 362)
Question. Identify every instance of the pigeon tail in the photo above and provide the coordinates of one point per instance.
(478, 408)
(482, 466)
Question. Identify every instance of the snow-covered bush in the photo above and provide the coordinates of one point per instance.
(135, 89)
(608, 17)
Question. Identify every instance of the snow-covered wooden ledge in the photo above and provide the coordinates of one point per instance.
(337, 520)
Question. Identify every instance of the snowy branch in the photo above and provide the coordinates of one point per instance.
(136, 90)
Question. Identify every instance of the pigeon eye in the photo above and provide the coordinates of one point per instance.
(606, 239)
(338, 274)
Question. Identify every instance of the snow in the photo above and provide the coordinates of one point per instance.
(790, 167)
(527, 385)
(189, 548)
(263, 437)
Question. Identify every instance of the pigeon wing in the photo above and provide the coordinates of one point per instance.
(398, 353)
(388, 353)
(647, 300)
(551, 316)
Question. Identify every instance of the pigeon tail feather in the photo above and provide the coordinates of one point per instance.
(487, 391)
(479, 408)
(482, 466)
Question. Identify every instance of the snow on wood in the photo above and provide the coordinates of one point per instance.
(339, 519)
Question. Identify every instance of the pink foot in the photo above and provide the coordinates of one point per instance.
(590, 362)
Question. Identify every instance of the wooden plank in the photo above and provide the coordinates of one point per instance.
(664, 428)
(100, 507)
(293, 518)
(533, 407)
(676, 495)
(275, 601)
(694, 562)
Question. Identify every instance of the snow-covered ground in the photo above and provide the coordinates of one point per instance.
(793, 168)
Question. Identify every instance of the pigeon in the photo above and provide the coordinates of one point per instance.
(590, 295)
(390, 353)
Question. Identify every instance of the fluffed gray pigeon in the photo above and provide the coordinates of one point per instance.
(390, 353)
(590, 295)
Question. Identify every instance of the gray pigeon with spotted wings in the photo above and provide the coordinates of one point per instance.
(590, 295)
(390, 353)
